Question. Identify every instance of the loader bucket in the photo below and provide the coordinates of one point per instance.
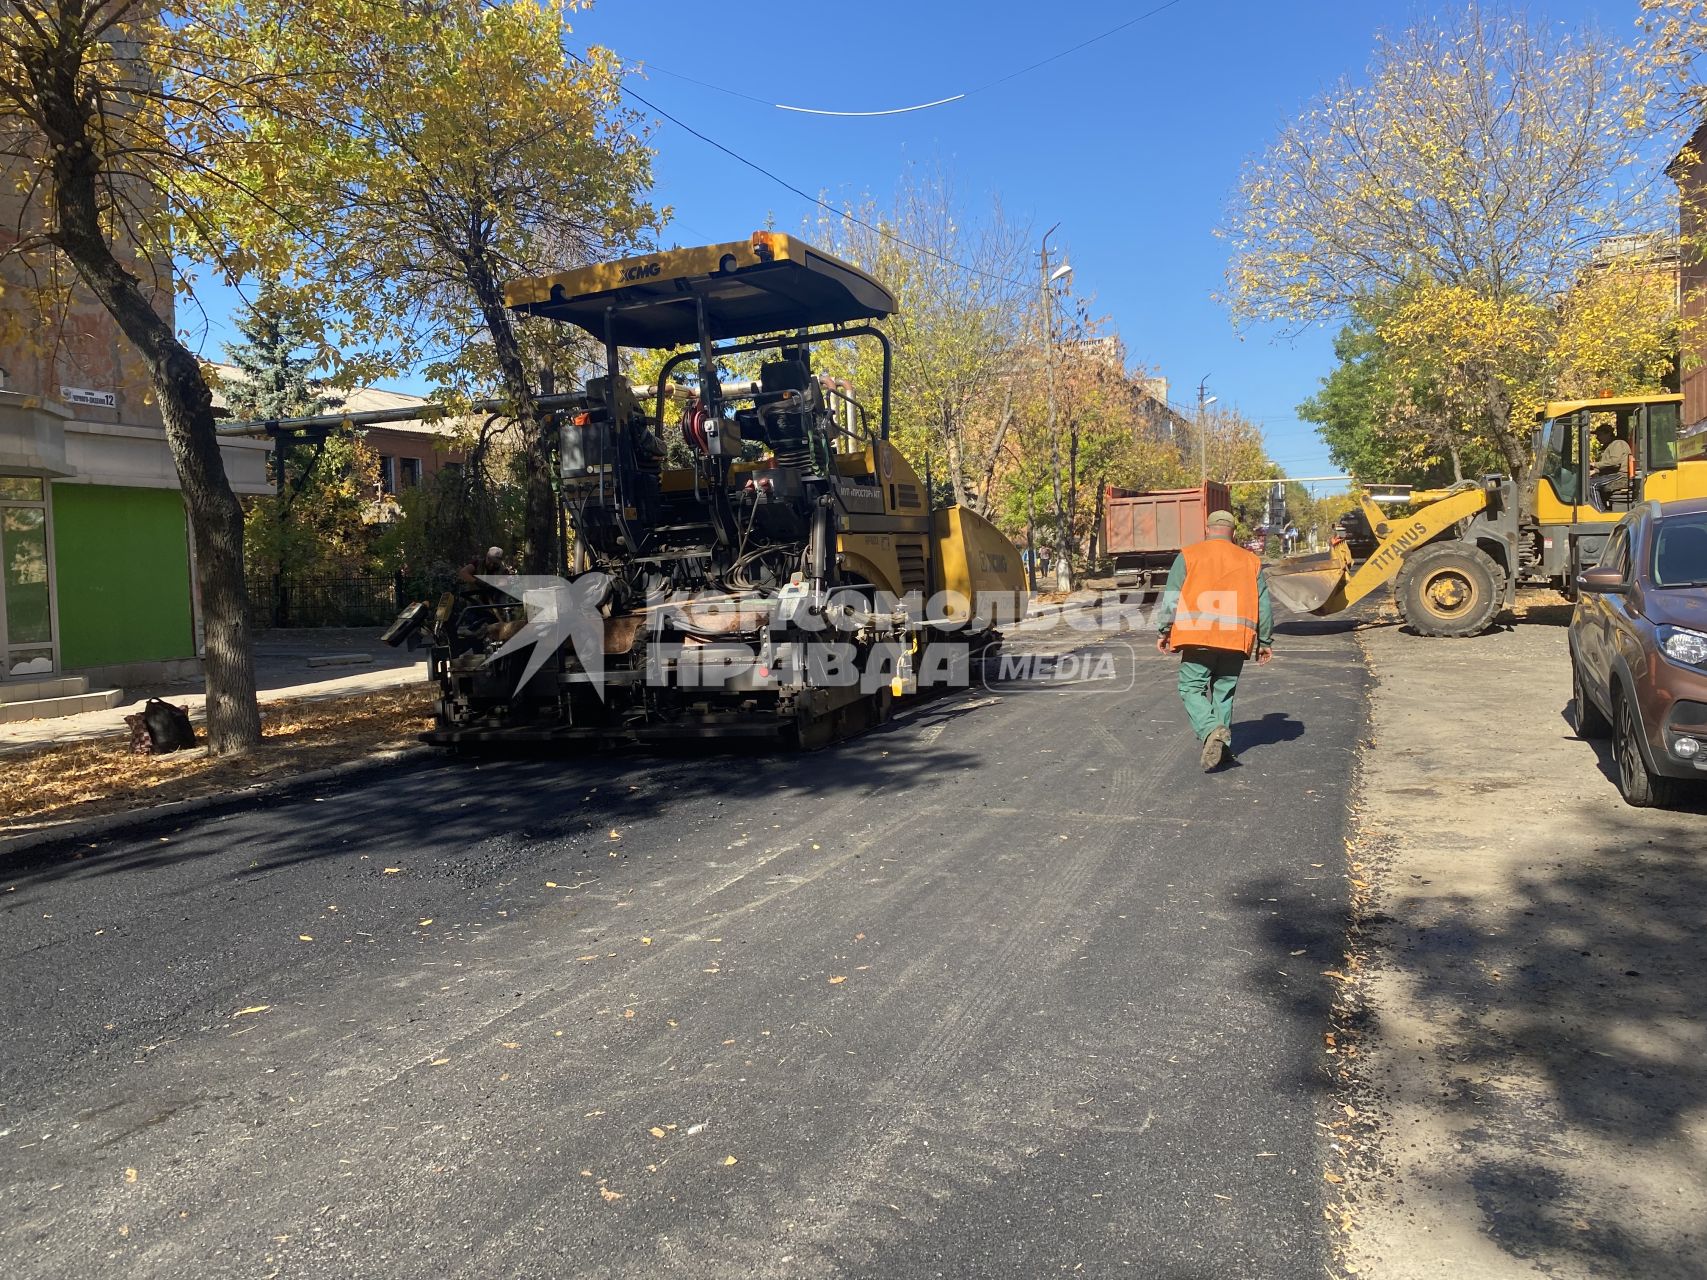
(1304, 583)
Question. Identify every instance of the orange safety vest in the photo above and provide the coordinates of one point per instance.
(1218, 603)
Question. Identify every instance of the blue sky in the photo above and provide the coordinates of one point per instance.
(1133, 144)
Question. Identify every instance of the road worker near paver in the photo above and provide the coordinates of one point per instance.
(1215, 614)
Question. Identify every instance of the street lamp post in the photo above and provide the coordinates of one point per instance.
(1047, 279)
(1203, 402)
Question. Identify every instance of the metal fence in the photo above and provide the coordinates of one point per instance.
(330, 600)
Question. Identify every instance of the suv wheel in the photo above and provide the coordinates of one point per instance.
(1590, 720)
(1639, 785)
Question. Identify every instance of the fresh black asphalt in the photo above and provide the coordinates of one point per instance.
(1007, 988)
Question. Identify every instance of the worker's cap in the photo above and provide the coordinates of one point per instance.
(1221, 520)
(494, 553)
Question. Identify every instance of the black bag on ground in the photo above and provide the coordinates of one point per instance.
(159, 728)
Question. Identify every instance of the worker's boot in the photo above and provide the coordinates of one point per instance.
(1212, 748)
(1227, 755)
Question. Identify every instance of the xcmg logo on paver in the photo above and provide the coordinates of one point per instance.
(641, 271)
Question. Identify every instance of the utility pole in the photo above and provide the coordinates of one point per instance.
(1203, 431)
(1031, 538)
(1063, 548)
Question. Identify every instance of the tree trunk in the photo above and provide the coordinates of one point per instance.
(1073, 482)
(1499, 422)
(987, 480)
(955, 459)
(186, 406)
(1096, 523)
(1063, 536)
(539, 521)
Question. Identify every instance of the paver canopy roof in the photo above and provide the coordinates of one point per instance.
(769, 284)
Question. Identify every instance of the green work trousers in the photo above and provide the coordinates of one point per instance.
(1208, 678)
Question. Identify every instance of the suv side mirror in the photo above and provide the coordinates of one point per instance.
(1601, 582)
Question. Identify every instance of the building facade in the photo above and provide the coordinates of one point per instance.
(411, 451)
(95, 552)
(1689, 171)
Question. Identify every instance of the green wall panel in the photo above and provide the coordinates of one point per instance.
(122, 562)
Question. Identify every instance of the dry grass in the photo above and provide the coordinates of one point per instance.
(101, 776)
(1543, 606)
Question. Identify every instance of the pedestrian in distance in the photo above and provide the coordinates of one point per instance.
(1215, 614)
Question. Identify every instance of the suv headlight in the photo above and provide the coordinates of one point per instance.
(1683, 645)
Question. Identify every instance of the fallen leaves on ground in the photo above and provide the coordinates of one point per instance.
(254, 1008)
(102, 776)
(837, 979)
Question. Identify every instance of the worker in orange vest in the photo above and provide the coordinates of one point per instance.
(1215, 614)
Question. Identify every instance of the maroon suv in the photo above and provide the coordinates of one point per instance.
(1639, 649)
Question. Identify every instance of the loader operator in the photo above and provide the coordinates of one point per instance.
(1215, 613)
(1611, 467)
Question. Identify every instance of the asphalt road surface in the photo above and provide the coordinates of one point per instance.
(1008, 988)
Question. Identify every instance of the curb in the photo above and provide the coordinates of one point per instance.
(109, 823)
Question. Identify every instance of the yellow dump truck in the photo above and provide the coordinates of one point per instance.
(1457, 556)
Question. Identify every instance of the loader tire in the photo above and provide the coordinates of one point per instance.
(1449, 589)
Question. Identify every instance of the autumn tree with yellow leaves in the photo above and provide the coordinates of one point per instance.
(963, 289)
(113, 125)
(420, 157)
(1451, 199)
(1674, 40)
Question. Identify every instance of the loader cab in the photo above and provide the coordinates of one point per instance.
(1597, 459)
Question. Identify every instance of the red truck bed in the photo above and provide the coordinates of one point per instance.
(1143, 532)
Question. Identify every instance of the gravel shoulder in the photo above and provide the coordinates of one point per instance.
(1533, 1033)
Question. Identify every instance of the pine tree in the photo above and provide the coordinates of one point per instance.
(275, 381)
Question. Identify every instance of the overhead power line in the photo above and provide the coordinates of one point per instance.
(782, 182)
(935, 102)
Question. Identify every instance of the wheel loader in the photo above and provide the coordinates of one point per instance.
(752, 556)
(1458, 556)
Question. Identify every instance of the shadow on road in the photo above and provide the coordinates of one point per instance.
(448, 806)
(1576, 1022)
(1600, 999)
(1272, 729)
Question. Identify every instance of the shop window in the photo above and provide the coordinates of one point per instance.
(23, 543)
(20, 489)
